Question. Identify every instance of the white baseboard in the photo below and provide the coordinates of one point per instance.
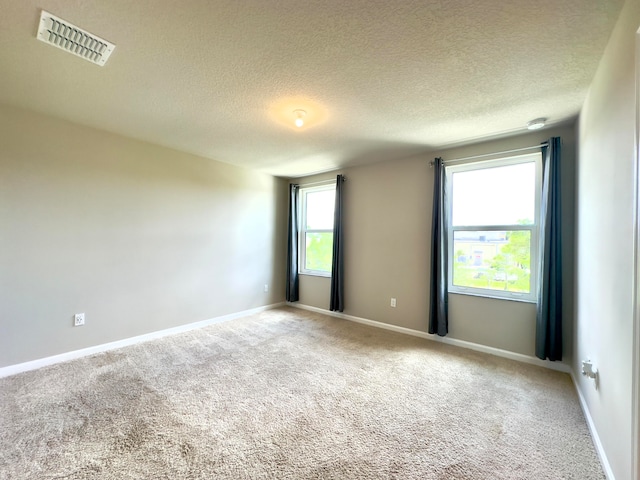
(64, 357)
(594, 432)
(558, 366)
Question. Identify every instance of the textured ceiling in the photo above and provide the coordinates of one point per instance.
(379, 79)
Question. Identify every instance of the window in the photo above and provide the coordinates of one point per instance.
(316, 229)
(493, 227)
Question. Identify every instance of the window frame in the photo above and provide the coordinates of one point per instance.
(533, 228)
(303, 230)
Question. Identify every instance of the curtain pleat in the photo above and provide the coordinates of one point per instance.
(549, 298)
(439, 295)
(336, 303)
(292, 293)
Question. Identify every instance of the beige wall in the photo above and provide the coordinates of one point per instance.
(138, 237)
(604, 268)
(387, 224)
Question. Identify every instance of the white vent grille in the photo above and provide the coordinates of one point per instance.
(68, 37)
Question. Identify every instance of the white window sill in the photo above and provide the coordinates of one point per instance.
(315, 274)
(493, 297)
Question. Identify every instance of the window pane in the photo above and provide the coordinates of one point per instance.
(319, 251)
(493, 260)
(320, 209)
(495, 196)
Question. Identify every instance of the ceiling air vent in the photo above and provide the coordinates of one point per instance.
(68, 37)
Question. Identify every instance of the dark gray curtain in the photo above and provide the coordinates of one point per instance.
(292, 246)
(336, 303)
(549, 306)
(439, 295)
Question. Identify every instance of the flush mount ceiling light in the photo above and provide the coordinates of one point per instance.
(72, 39)
(299, 117)
(286, 111)
(536, 124)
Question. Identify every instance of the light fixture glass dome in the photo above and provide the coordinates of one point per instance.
(299, 122)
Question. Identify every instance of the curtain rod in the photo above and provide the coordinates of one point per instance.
(320, 182)
(545, 144)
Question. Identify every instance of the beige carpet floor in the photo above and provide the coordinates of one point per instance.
(288, 394)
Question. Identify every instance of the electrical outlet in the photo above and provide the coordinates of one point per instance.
(266, 287)
(78, 320)
(393, 302)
